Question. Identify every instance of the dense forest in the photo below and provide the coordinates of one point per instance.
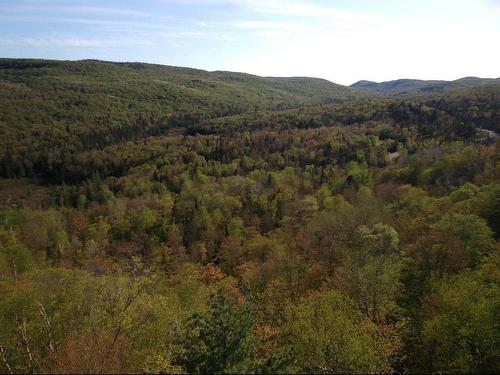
(167, 220)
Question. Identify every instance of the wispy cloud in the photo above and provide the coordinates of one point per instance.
(73, 9)
(304, 9)
(256, 24)
(111, 41)
(85, 21)
(75, 41)
(291, 8)
(194, 35)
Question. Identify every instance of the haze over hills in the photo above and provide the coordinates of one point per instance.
(402, 87)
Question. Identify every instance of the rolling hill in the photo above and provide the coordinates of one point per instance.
(91, 91)
(40, 93)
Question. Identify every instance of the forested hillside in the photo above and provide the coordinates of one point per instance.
(89, 91)
(167, 220)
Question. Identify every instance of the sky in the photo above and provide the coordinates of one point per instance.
(340, 40)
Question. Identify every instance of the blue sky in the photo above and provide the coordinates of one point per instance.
(343, 41)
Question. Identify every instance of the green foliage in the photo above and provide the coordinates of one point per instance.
(132, 194)
(15, 258)
(329, 335)
(473, 235)
(372, 270)
(220, 340)
(460, 329)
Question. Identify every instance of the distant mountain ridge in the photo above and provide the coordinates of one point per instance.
(401, 87)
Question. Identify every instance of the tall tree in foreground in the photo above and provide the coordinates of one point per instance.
(220, 340)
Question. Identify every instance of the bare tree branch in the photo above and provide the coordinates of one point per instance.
(4, 358)
(22, 328)
(48, 327)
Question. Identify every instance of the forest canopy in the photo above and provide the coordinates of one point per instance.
(164, 220)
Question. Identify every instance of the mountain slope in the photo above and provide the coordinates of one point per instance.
(47, 92)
